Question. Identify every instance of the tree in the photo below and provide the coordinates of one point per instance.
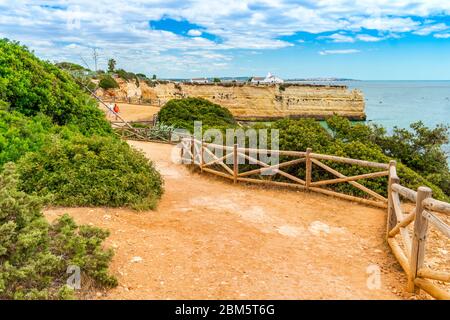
(154, 77)
(216, 80)
(111, 65)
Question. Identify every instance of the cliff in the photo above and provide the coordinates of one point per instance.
(254, 102)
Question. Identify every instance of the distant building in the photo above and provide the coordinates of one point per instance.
(270, 78)
(199, 80)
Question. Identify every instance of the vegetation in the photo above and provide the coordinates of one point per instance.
(31, 86)
(421, 160)
(88, 164)
(65, 153)
(307, 133)
(108, 82)
(35, 255)
(111, 65)
(80, 171)
(181, 113)
(216, 80)
(70, 66)
(419, 148)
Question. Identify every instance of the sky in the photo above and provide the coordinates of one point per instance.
(360, 39)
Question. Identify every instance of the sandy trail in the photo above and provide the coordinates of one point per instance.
(210, 239)
(132, 112)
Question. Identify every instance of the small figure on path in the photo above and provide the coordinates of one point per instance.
(116, 110)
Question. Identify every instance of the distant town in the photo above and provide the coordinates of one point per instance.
(268, 79)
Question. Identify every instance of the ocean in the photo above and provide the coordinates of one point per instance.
(400, 103)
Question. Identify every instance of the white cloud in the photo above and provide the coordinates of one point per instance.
(339, 38)
(442, 35)
(369, 38)
(121, 27)
(426, 30)
(344, 51)
(386, 24)
(194, 33)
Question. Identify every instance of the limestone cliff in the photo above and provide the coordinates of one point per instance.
(248, 102)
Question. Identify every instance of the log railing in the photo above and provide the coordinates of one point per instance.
(410, 249)
(203, 155)
(144, 134)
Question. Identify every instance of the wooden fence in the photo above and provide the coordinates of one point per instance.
(410, 251)
(152, 134)
(206, 159)
(410, 254)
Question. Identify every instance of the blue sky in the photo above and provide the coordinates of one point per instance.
(361, 39)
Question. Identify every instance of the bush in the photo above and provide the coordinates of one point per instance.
(301, 134)
(79, 170)
(84, 171)
(32, 86)
(19, 135)
(420, 148)
(70, 66)
(34, 255)
(101, 170)
(181, 113)
(107, 82)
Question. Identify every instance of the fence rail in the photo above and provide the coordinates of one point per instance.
(203, 155)
(151, 134)
(408, 249)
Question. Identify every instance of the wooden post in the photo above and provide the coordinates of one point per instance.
(391, 221)
(193, 150)
(308, 168)
(419, 238)
(235, 163)
(202, 160)
(182, 151)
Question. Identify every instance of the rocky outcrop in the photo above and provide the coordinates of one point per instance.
(256, 102)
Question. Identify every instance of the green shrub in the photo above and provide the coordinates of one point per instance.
(125, 75)
(84, 171)
(34, 255)
(108, 82)
(420, 148)
(181, 113)
(31, 86)
(301, 134)
(50, 114)
(70, 66)
(19, 135)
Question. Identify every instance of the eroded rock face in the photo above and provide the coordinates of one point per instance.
(247, 102)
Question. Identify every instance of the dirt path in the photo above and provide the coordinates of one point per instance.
(210, 239)
(133, 112)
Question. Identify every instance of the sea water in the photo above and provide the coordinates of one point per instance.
(400, 103)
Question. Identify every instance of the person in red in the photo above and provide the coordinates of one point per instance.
(116, 110)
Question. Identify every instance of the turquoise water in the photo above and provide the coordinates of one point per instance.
(399, 103)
